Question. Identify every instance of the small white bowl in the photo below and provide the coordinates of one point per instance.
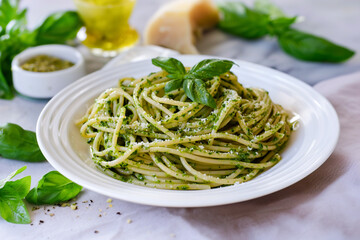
(46, 84)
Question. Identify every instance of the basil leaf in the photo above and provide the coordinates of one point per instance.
(239, 20)
(202, 95)
(12, 193)
(171, 65)
(308, 47)
(5, 90)
(14, 210)
(266, 7)
(53, 188)
(8, 12)
(280, 25)
(209, 68)
(58, 28)
(196, 90)
(173, 85)
(189, 89)
(17, 143)
(17, 25)
(11, 175)
(12, 22)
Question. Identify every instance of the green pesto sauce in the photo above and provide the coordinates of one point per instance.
(44, 63)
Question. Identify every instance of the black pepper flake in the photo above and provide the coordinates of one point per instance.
(31, 224)
(91, 200)
(41, 221)
(118, 213)
(96, 231)
(48, 210)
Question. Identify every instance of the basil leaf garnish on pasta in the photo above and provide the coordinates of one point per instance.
(196, 90)
(209, 68)
(173, 85)
(193, 85)
(171, 65)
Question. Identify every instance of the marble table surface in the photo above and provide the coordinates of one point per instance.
(336, 20)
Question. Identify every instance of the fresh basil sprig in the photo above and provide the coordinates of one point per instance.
(194, 81)
(15, 37)
(267, 19)
(53, 188)
(17, 143)
(12, 193)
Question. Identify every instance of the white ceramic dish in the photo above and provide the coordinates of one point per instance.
(46, 84)
(314, 141)
(139, 53)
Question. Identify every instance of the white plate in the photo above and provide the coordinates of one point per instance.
(139, 53)
(61, 143)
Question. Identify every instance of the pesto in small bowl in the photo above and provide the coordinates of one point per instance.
(45, 63)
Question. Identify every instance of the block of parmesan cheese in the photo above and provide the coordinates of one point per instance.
(178, 24)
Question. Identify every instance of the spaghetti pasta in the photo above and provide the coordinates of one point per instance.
(142, 135)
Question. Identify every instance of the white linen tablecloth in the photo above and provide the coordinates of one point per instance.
(324, 205)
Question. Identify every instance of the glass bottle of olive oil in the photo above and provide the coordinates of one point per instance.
(107, 30)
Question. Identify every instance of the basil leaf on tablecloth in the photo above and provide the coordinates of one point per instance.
(309, 47)
(266, 7)
(10, 176)
(280, 25)
(53, 188)
(238, 19)
(12, 193)
(17, 143)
